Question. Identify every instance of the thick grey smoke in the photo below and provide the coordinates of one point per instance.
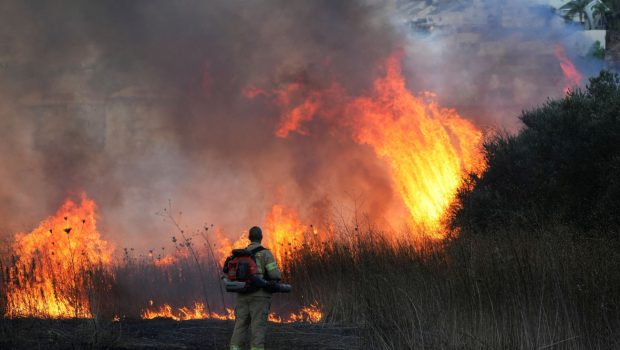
(138, 102)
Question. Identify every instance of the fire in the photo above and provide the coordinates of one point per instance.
(309, 314)
(165, 261)
(571, 74)
(224, 246)
(285, 232)
(198, 312)
(51, 274)
(427, 148)
(301, 110)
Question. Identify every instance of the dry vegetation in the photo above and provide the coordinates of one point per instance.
(535, 264)
(504, 292)
(499, 293)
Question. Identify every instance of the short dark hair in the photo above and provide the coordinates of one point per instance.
(256, 234)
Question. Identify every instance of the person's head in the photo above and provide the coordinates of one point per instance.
(256, 234)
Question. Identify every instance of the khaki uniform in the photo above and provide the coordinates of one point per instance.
(252, 309)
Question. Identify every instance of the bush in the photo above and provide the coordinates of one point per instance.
(562, 168)
(597, 50)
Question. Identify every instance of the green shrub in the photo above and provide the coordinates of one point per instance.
(562, 168)
(597, 50)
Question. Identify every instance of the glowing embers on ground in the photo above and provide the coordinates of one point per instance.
(56, 266)
(428, 149)
(571, 74)
(197, 312)
(309, 314)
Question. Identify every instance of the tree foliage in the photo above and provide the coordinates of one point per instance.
(576, 8)
(609, 10)
(562, 168)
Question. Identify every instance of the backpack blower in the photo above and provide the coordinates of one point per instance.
(242, 275)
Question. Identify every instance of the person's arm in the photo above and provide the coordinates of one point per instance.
(271, 267)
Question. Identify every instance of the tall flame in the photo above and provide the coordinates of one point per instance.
(428, 148)
(285, 232)
(571, 74)
(52, 271)
(50, 275)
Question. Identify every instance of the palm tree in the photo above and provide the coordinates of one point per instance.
(601, 11)
(577, 7)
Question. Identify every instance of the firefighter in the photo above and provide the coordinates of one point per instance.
(252, 309)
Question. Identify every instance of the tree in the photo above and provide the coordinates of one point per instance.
(612, 37)
(577, 7)
(601, 10)
(609, 12)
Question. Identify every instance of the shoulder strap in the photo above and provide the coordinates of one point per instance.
(260, 248)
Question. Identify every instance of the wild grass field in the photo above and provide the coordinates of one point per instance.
(532, 262)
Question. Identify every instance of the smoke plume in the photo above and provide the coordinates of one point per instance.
(139, 102)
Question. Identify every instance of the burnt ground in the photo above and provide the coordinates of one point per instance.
(164, 334)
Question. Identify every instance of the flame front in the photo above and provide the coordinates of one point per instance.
(198, 312)
(428, 148)
(308, 314)
(51, 273)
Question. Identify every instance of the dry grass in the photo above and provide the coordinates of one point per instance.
(502, 293)
(506, 292)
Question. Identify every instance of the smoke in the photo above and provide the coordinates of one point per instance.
(491, 59)
(138, 102)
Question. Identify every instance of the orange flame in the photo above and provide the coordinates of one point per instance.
(571, 74)
(198, 312)
(301, 104)
(309, 314)
(50, 275)
(285, 232)
(428, 148)
(224, 246)
(166, 260)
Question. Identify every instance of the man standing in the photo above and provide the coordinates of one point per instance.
(252, 309)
